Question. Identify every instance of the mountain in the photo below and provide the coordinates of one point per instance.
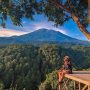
(40, 36)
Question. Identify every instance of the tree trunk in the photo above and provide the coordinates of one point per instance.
(81, 27)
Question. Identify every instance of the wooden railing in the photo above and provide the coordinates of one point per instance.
(82, 78)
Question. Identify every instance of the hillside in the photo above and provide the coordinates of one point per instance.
(26, 66)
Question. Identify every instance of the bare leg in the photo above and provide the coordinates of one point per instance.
(61, 76)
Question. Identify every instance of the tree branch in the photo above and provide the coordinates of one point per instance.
(75, 18)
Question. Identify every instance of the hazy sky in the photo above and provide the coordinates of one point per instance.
(69, 28)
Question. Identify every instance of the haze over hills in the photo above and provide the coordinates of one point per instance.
(41, 35)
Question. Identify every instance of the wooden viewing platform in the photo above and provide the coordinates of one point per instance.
(82, 78)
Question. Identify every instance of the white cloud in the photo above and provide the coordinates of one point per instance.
(24, 22)
(8, 32)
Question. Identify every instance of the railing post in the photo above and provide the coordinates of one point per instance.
(88, 87)
(60, 86)
(79, 85)
(74, 85)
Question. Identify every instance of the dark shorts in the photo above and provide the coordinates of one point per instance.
(67, 71)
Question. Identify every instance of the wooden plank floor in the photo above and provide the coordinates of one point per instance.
(80, 76)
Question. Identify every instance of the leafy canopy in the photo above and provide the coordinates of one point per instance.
(18, 9)
(60, 11)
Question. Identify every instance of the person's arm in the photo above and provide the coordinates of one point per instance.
(69, 63)
(62, 67)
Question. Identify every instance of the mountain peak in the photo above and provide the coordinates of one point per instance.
(43, 29)
(47, 35)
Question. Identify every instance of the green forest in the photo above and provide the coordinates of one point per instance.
(30, 67)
